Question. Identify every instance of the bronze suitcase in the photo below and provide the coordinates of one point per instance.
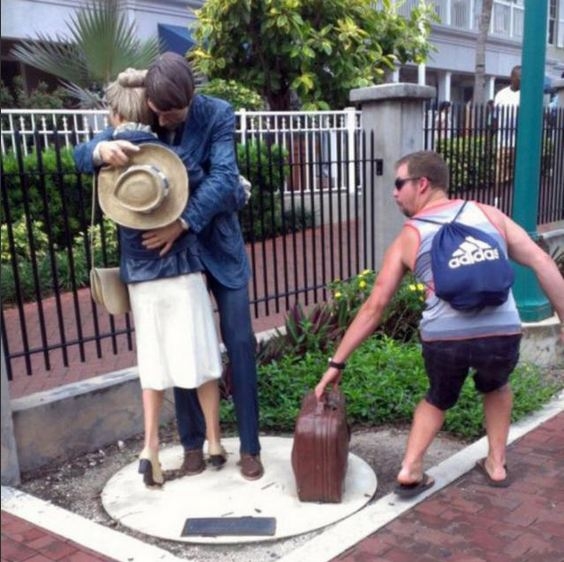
(321, 447)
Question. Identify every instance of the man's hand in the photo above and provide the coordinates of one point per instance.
(163, 237)
(331, 376)
(115, 153)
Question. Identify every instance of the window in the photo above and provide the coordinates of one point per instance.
(552, 28)
(560, 27)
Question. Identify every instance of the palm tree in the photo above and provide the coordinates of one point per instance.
(102, 43)
(480, 76)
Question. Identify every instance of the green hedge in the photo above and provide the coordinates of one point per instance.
(50, 190)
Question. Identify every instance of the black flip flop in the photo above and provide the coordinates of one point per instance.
(481, 466)
(408, 491)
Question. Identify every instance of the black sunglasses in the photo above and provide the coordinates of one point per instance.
(400, 182)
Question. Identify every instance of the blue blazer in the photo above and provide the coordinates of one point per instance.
(206, 145)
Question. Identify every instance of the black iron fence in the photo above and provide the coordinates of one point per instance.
(479, 146)
(298, 240)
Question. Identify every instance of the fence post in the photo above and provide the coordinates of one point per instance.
(394, 113)
(243, 125)
(10, 462)
(558, 86)
(350, 123)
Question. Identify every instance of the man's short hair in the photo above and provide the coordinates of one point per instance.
(427, 164)
(170, 82)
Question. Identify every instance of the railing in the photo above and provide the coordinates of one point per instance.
(478, 144)
(292, 130)
(298, 242)
(334, 133)
(71, 126)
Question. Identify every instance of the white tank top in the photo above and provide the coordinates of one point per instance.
(439, 320)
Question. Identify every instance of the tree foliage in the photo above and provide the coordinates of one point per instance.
(99, 44)
(315, 50)
(39, 98)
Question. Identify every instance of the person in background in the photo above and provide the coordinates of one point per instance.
(443, 122)
(453, 342)
(506, 102)
(176, 339)
(201, 129)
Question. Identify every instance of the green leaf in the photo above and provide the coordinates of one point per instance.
(100, 43)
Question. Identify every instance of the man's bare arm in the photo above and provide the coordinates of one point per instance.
(368, 318)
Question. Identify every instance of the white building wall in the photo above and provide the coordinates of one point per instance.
(22, 19)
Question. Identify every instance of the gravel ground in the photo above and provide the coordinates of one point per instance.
(77, 484)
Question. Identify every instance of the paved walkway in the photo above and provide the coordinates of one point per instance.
(460, 520)
(23, 541)
(470, 522)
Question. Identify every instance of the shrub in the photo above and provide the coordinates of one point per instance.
(401, 317)
(47, 186)
(55, 269)
(471, 161)
(383, 383)
(238, 95)
(318, 329)
(23, 240)
(39, 98)
(265, 165)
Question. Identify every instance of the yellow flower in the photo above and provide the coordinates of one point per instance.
(412, 287)
(338, 295)
(366, 272)
(362, 284)
(420, 287)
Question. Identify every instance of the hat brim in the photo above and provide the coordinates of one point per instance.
(172, 205)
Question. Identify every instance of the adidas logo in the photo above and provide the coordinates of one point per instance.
(472, 251)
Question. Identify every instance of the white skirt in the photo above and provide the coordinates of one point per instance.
(177, 343)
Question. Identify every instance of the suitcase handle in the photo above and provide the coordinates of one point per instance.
(329, 400)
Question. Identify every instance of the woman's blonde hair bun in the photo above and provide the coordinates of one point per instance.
(132, 78)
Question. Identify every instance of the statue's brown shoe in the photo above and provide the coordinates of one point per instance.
(193, 462)
(251, 466)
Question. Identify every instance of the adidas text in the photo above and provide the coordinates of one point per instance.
(476, 256)
(472, 251)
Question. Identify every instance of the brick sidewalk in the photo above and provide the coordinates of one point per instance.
(23, 541)
(470, 522)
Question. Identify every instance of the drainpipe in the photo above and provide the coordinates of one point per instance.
(531, 301)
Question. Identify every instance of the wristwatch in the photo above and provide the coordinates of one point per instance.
(335, 365)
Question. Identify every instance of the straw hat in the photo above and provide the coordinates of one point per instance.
(150, 192)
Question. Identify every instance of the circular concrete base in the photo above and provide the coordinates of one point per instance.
(225, 493)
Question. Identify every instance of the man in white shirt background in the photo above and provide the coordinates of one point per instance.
(506, 102)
